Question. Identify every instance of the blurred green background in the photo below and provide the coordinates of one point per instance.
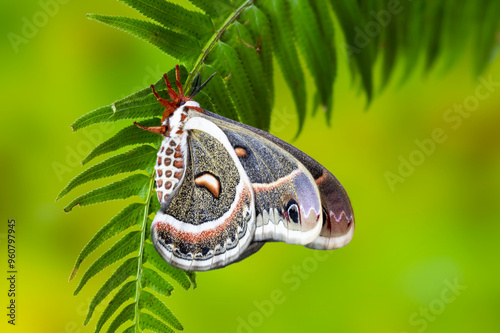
(424, 257)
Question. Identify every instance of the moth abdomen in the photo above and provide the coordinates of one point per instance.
(169, 167)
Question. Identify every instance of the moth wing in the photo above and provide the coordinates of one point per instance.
(337, 213)
(338, 216)
(209, 219)
(287, 200)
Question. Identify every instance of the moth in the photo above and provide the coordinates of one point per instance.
(226, 188)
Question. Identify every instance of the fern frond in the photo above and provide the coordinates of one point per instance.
(126, 270)
(349, 16)
(148, 322)
(153, 281)
(125, 315)
(247, 49)
(217, 96)
(128, 217)
(122, 189)
(175, 17)
(140, 108)
(226, 60)
(151, 256)
(255, 20)
(130, 135)
(314, 49)
(286, 54)
(154, 305)
(239, 40)
(214, 8)
(140, 158)
(180, 46)
(121, 249)
(126, 292)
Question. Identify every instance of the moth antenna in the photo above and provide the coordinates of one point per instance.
(197, 90)
(196, 82)
(173, 95)
(178, 81)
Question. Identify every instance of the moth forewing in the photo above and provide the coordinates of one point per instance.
(199, 230)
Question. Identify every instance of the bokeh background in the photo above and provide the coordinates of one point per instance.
(424, 257)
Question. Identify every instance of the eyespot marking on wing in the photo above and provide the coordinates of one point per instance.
(292, 210)
(209, 181)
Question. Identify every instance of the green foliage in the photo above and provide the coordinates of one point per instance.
(127, 218)
(239, 40)
(133, 185)
(180, 46)
(131, 135)
(126, 292)
(126, 270)
(128, 244)
(141, 158)
(175, 18)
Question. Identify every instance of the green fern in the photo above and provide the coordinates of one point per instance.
(239, 40)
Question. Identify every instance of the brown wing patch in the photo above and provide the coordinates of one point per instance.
(210, 182)
(240, 152)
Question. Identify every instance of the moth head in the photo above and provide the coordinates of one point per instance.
(177, 100)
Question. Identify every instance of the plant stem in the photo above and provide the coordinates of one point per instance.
(144, 224)
(211, 43)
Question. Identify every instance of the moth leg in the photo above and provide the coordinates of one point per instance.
(155, 129)
(197, 108)
(178, 83)
(169, 106)
(171, 92)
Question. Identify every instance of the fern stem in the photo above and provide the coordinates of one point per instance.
(144, 224)
(211, 43)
